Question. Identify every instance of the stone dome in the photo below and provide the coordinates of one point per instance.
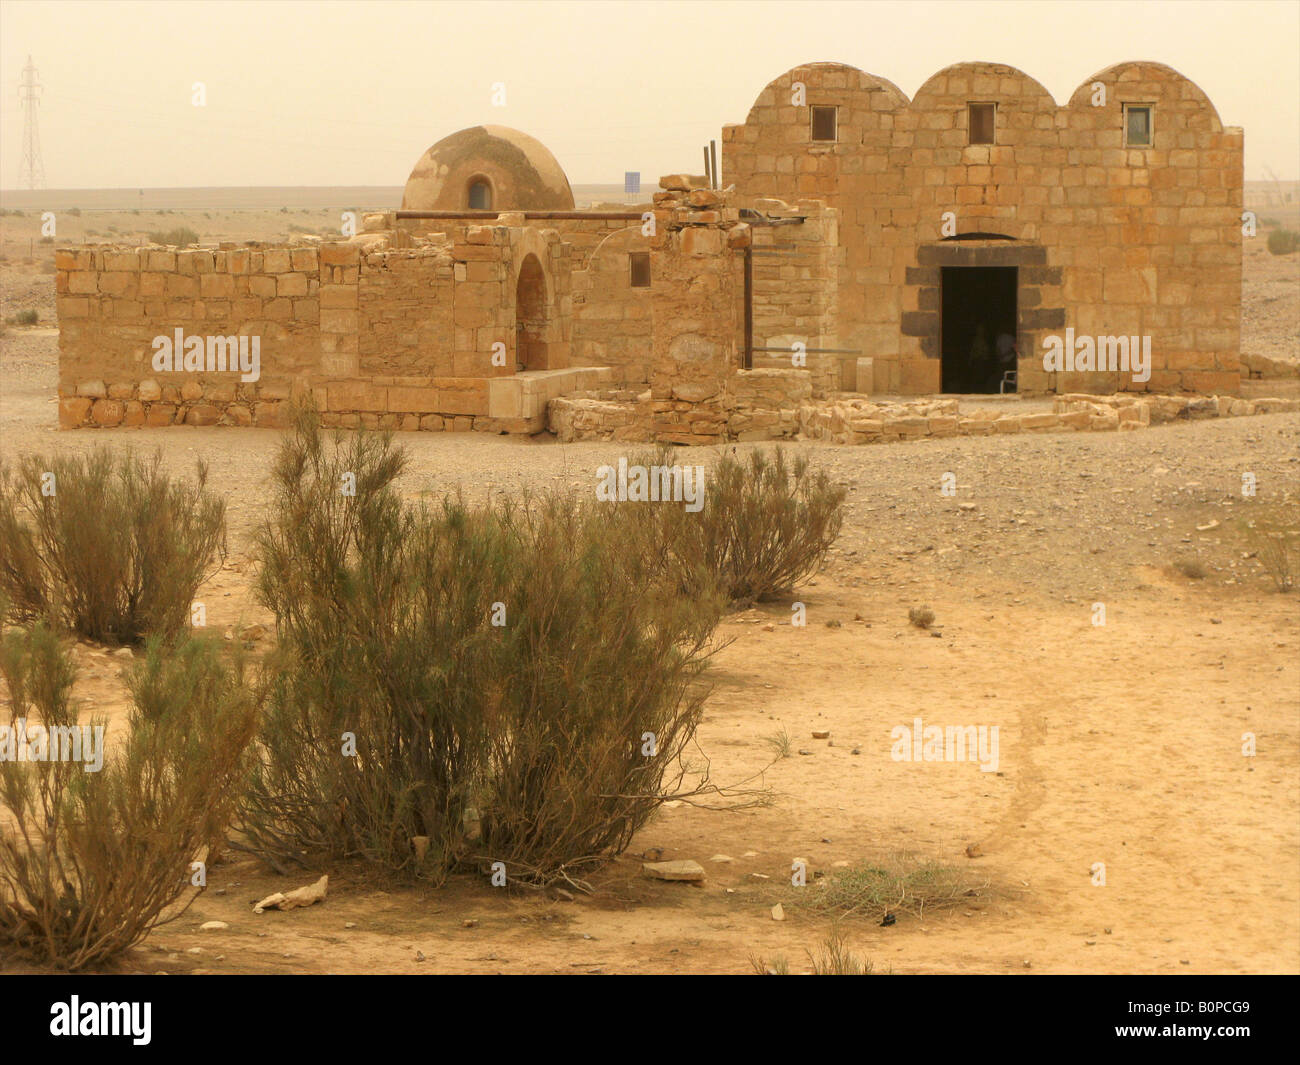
(507, 171)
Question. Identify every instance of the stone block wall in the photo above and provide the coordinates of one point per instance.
(796, 292)
(1147, 240)
(698, 312)
(386, 329)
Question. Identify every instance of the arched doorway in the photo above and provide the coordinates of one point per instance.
(530, 316)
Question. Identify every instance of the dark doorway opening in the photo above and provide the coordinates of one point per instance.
(530, 316)
(978, 330)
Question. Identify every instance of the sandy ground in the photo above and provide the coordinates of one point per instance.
(1118, 745)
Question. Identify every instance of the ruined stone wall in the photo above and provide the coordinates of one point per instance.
(387, 329)
(796, 289)
(1120, 241)
(696, 302)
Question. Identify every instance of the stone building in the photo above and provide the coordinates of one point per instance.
(864, 243)
(981, 203)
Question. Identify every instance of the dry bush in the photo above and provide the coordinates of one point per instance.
(765, 526)
(598, 664)
(835, 959)
(922, 617)
(899, 884)
(91, 861)
(115, 553)
(1272, 532)
(532, 728)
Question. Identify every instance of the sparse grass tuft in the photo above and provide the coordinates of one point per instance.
(899, 884)
(837, 960)
(780, 743)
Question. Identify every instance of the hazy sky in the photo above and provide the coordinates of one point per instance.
(351, 93)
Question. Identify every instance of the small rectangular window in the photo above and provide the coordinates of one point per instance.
(1137, 126)
(639, 268)
(823, 124)
(980, 122)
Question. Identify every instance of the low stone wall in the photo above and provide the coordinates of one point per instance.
(852, 421)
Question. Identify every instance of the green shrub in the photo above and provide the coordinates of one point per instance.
(765, 526)
(92, 860)
(180, 236)
(117, 550)
(1283, 241)
(474, 742)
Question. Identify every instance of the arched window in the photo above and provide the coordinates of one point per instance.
(480, 195)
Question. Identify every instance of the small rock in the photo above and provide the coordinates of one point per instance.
(469, 923)
(195, 950)
(303, 896)
(419, 955)
(769, 628)
(350, 924)
(821, 734)
(973, 851)
(778, 912)
(687, 870)
(804, 750)
(213, 926)
(721, 858)
(856, 750)
(123, 652)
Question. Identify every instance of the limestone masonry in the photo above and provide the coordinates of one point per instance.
(861, 245)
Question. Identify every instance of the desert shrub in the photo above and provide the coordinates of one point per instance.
(180, 236)
(92, 859)
(75, 212)
(1192, 568)
(27, 317)
(1272, 532)
(1283, 241)
(518, 741)
(922, 617)
(115, 552)
(765, 526)
(597, 659)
